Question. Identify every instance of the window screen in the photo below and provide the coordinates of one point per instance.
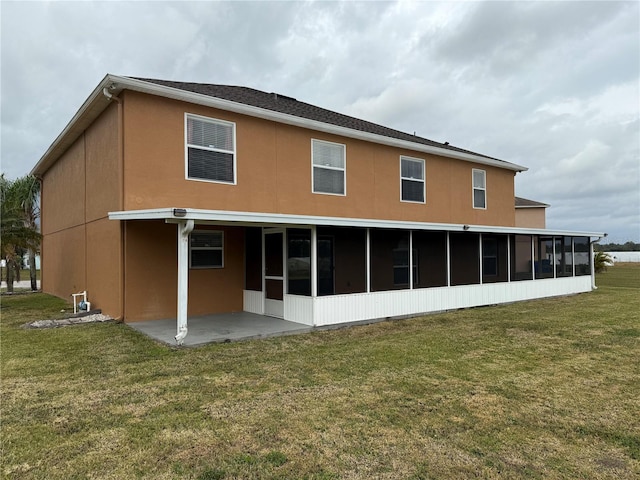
(328, 167)
(210, 149)
(489, 257)
(412, 179)
(479, 189)
(582, 255)
(206, 249)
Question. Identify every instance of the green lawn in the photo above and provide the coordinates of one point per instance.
(540, 389)
(24, 275)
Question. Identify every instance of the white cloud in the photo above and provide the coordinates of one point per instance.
(550, 85)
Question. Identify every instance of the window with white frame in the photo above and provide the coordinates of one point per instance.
(479, 188)
(412, 180)
(206, 249)
(329, 167)
(210, 146)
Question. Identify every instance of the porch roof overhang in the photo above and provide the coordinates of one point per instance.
(225, 217)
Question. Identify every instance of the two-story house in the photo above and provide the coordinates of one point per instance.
(168, 199)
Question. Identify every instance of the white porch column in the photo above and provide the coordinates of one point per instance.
(573, 258)
(368, 260)
(411, 259)
(509, 258)
(448, 261)
(593, 265)
(480, 264)
(533, 257)
(555, 259)
(184, 229)
(314, 261)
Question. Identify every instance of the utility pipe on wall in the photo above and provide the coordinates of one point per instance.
(184, 229)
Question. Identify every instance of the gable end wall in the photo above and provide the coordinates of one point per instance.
(81, 247)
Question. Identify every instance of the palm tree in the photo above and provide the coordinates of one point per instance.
(19, 213)
(601, 261)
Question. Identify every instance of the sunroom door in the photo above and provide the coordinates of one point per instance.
(274, 273)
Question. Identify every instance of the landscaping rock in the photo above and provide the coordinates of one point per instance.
(93, 318)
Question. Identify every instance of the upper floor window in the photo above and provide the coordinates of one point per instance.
(412, 180)
(210, 149)
(479, 188)
(206, 249)
(329, 167)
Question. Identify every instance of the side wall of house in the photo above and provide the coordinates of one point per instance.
(151, 279)
(531, 217)
(274, 172)
(81, 247)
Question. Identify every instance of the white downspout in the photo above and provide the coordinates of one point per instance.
(448, 260)
(184, 229)
(314, 263)
(368, 260)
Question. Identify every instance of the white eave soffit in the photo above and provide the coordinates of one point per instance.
(278, 219)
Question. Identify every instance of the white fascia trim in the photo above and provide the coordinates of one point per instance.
(280, 219)
(200, 99)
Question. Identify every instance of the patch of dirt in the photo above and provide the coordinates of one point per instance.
(612, 463)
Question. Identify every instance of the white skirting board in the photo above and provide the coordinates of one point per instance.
(356, 307)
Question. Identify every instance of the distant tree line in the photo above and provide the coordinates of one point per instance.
(617, 247)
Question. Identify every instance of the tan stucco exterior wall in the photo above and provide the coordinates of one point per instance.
(63, 262)
(531, 217)
(63, 191)
(151, 278)
(81, 248)
(274, 172)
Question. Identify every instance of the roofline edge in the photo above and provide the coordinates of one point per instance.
(168, 214)
(52, 154)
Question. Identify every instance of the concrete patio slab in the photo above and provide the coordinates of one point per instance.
(220, 328)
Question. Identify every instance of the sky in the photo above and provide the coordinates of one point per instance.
(553, 86)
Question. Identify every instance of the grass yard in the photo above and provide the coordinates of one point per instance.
(24, 274)
(539, 389)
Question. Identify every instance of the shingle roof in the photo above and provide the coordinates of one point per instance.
(525, 203)
(288, 105)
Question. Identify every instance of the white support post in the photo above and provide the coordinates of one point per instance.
(593, 265)
(555, 259)
(448, 261)
(533, 257)
(508, 258)
(285, 270)
(410, 259)
(184, 229)
(573, 258)
(264, 268)
(314, 261)
(480, 259)
(368, 260)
